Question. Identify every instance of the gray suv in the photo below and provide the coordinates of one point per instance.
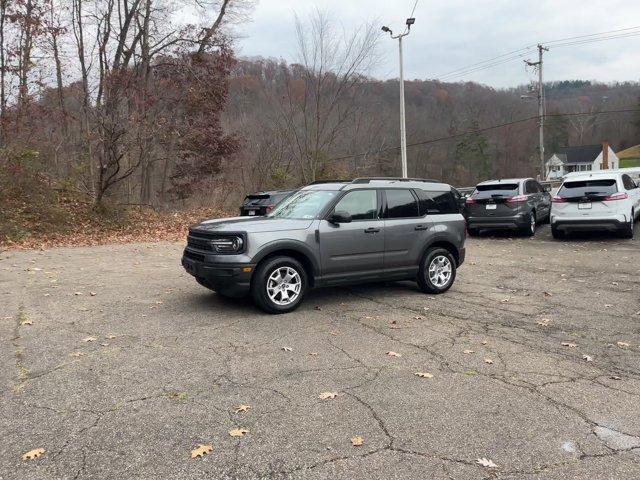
(333, 233)
(513, 204)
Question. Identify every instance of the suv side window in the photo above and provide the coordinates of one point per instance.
(434, 203)
(360, 204)
(530, 187)
(401, 204)
(628, 182)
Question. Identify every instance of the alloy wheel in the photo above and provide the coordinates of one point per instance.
(440, 271)
(284, 285)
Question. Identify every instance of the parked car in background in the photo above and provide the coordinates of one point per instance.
(515, 204)
(259, 204)
(327, 234)
(603, 200)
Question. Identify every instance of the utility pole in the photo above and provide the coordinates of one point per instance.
(541, 107)
(403, 126)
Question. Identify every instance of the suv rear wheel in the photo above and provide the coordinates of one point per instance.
(279, 284)
(556, 233)
(530, 229)
(437, 271)
(627, 229)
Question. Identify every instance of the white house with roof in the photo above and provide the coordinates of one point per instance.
(584, 158)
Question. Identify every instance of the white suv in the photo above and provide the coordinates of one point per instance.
(606, 200)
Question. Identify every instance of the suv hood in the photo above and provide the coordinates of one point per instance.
(252, 225)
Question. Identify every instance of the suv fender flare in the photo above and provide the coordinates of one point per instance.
(442, 239)
(290, 245)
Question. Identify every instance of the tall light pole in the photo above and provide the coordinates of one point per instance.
(403, 127)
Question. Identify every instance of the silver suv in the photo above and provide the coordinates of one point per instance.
(333, 233)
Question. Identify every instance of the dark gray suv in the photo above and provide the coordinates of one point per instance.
(515, 204)
(333, 233)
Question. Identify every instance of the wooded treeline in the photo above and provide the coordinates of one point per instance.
(123, 101)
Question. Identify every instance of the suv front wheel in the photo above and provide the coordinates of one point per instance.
(437, 271)
(279, 284)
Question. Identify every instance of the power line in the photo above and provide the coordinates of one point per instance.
(479, 130)
(568, 41)
(413, 10)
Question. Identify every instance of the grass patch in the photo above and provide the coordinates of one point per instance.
(629, 162)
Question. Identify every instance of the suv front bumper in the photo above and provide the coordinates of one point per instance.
(229, 278)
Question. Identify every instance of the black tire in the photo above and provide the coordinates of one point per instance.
(557, 234)
(473, 232)
(627, 229)
(261, 277)
(530, 229)
(424, 280)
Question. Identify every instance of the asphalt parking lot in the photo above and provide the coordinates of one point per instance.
(118, 365)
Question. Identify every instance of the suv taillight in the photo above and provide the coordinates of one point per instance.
(471, 201)
(269, 208)
(558, 199)
(616, 196)
(518, 199)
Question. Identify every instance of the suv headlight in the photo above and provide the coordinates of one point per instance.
(227, 244)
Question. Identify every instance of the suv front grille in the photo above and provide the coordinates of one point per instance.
(199, 242)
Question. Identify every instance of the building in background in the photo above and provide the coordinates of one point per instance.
(584, 158)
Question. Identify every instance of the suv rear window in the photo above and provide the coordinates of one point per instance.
(582, 188)
(401, 204)
(499, 189)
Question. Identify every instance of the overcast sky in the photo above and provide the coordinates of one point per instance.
(452, 34)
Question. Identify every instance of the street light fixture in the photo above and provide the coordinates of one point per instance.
(403, 129)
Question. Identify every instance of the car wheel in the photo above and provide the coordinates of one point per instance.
(627, 229)
(437, 271)
(530, 229)
(279, 284)
(557, 234)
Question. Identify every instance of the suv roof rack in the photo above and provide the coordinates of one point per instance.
(318, 182)
(395, 179)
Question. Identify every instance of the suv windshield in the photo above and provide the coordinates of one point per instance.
(305, 204)
(496, 189)
(585, 188)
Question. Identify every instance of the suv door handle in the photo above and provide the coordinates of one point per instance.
(421, 227)
(371, 230)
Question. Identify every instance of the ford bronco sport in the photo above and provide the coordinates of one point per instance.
(333, 233)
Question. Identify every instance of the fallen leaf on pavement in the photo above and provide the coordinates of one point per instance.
(423, 374)
(242, 408)
(76, 354)
(483, 342)
(110, 337)
(544, 322)
(418, 317)
(334, 333)
(489, 361)
(77, 293)
(238, 432)
(607, 305)
(31, 454)
(287, 349)
(314, 354)
(588, 358)
(357, 441)
(318, 307)
(623, 344)
(93, 294)
(394, 354)
(548, 294)
(485, 462)
(504, 300)
(26, 322)
(325, 395)
(89, 339)
(568, 344)
(201, 451)
(615, 377)
(468, 351)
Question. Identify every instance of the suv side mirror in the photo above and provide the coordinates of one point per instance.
(547, 188)
(340, 217)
